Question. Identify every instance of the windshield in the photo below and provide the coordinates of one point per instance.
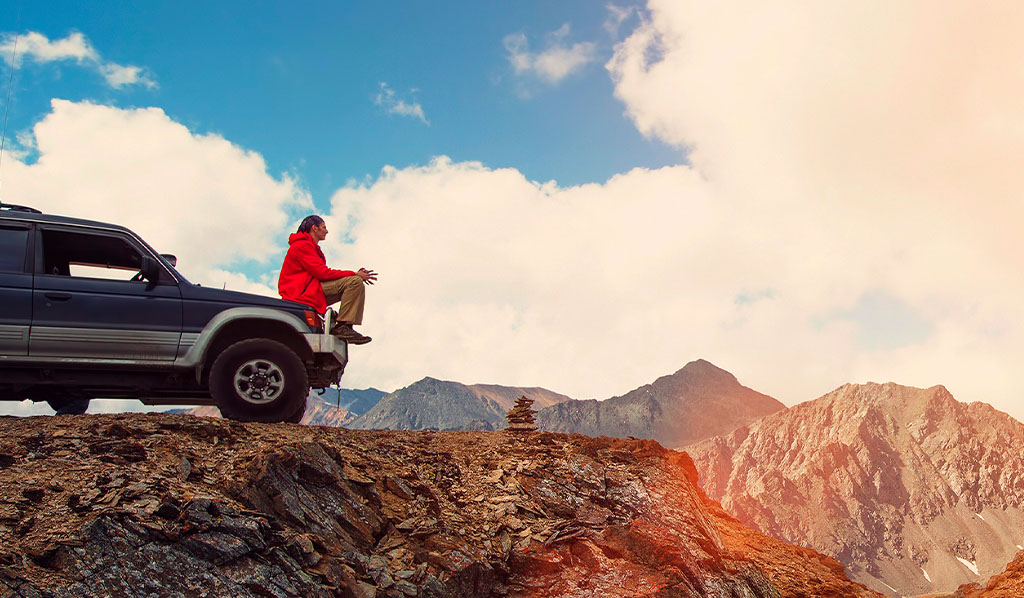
(174, 270)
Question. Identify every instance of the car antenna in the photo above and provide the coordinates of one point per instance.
(7, 107)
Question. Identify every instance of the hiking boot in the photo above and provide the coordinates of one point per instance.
(346, 333)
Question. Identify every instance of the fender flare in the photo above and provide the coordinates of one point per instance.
(196, 355)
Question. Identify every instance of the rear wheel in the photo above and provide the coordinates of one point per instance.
(259, 380)
(68, 406)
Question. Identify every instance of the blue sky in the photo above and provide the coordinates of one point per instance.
(577, 195)
(297, 82)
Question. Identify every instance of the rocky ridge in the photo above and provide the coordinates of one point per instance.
(914, 491)
(699, 401)
(175, 505)
(355, 401)
(432, 404)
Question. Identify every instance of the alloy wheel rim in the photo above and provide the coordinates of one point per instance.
(259, 381)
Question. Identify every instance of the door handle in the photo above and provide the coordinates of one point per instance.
(54, 296)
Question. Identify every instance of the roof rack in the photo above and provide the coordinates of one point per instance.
(15, 208)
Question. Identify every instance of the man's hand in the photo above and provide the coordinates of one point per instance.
(368, 276)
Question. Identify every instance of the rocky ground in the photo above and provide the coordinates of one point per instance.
(177, 505)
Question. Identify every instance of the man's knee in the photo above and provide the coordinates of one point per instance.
(352, 283)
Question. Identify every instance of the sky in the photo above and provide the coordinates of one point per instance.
(576, 195)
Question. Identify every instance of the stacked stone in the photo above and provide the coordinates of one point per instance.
(520, 417)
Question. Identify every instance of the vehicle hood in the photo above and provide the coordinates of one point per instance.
(196, 292)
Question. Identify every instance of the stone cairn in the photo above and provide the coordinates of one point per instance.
(520, 417)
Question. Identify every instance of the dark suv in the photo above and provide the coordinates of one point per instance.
(89, 310)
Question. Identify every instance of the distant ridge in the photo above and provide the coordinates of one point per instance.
(699, 401)
(356, 402)
(336, 407)
(432, 404)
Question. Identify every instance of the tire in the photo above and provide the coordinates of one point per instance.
(259, 380)
(68, 406)
(297, 416)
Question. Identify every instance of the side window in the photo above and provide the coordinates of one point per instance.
(13, 243)
(89, 255)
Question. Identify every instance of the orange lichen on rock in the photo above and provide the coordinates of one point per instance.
(1008, 584)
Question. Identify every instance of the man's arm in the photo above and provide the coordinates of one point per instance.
(309, 260)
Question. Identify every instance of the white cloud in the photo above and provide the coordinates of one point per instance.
(39, 48)
(882, 144)
(387, 98)
(14, 48)
(119, 76)
(208, 201)
(591, 290)
(557, 61)
(617, 15)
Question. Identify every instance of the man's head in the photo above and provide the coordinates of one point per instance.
(315, 226)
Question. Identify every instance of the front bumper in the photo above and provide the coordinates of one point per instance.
(328, 345)
(330, 354)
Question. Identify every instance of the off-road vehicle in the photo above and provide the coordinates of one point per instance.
(89, 310)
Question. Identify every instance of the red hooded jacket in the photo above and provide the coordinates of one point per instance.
(303, 269)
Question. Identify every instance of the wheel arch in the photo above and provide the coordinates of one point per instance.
(245, 328)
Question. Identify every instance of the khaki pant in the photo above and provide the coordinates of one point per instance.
(352, 294)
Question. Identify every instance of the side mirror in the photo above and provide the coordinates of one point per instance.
(150, 269)
(171, 259)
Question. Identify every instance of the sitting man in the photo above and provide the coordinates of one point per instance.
(305, 278)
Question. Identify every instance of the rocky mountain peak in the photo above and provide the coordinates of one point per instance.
(907, 486)
(696, 376)
(705, 370)
(696, 402)
(893, 397)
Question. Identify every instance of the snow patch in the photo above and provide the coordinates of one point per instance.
(1019, 547)
(970, 565)
(887, 585)
(980, 517)
(926, 576)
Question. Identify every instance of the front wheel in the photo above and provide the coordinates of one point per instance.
(297, 416)
(259, 380)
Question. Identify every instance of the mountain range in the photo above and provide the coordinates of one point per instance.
(914, 491)
(696, 402)
(432, 404)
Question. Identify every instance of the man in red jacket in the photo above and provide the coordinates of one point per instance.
(305, 278)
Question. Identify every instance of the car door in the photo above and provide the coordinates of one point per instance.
(89, 302)
(15, 288)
